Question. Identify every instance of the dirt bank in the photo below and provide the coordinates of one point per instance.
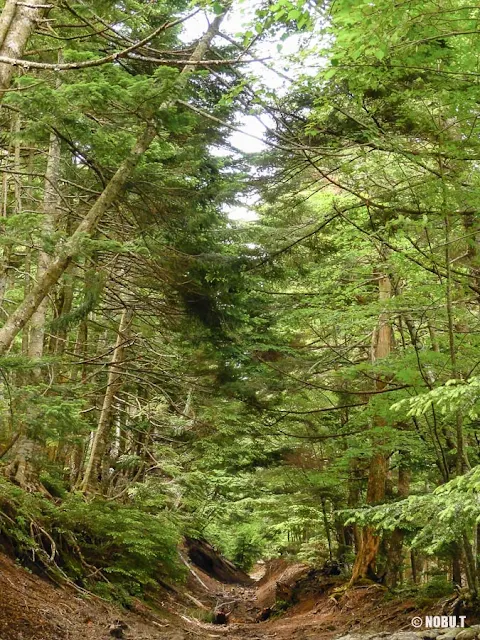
(35, 609)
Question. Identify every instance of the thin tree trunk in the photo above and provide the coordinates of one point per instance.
(22, 469)
(395, 549)
(57, 266)
(28, 252)
(413, 564)
(51, 203)
(110, 194)
(327, 528)
(59, 340)
(456, 566)
(99, 444)
(470, 569)
(5, 260)
(352, 532)
(5, 266)
(77, 452)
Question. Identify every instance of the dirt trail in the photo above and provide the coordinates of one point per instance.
(34, 609)
(315, 610)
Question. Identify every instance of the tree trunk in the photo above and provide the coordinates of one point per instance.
(352, 532)
(59, 340)
(57, 266)
(366, 558)
(470, 565)
(456, 566)
(17, 23)
(395, 548)
(413, 565)
(77, 452)
(23, 469)
(5, 264)
(112, 191)
(51, 203)
(100, 439)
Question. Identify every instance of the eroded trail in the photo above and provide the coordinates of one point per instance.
(299, 604)
(294, 602)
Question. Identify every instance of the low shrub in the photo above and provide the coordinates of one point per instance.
(114, 549)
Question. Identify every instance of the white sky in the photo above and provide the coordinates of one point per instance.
(237, 22)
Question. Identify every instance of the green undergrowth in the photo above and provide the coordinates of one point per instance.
(115, 550)
(279, 608)
(202, 615)
(423, 595)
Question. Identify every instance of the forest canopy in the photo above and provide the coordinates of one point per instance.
(302, 381)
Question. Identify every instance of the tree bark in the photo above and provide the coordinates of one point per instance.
(470, 565)
(77, 453)
(395, 548)
(51, 203)
(23, 469)
(17, 23)
(57, 266)
(456, 566)
(413, 565)
(366, 558)
(99, 444)
(352, 532)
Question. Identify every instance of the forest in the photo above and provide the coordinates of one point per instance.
(240, 290)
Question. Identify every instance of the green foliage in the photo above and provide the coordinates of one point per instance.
(455, 395)
(437, 587)
(432, 521)
(91, 299)
(111, 548)
(280, 607)
(425, 595)
(201, 614)
(245, 546)
(252, 397)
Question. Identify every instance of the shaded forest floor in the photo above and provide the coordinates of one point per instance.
(35, 609)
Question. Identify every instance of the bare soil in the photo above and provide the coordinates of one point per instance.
(35, 609)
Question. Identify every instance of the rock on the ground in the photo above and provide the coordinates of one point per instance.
(469, 634)
(363, 636)
(450, 634)
(405, 635)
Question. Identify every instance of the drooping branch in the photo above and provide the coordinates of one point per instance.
(110, 194)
